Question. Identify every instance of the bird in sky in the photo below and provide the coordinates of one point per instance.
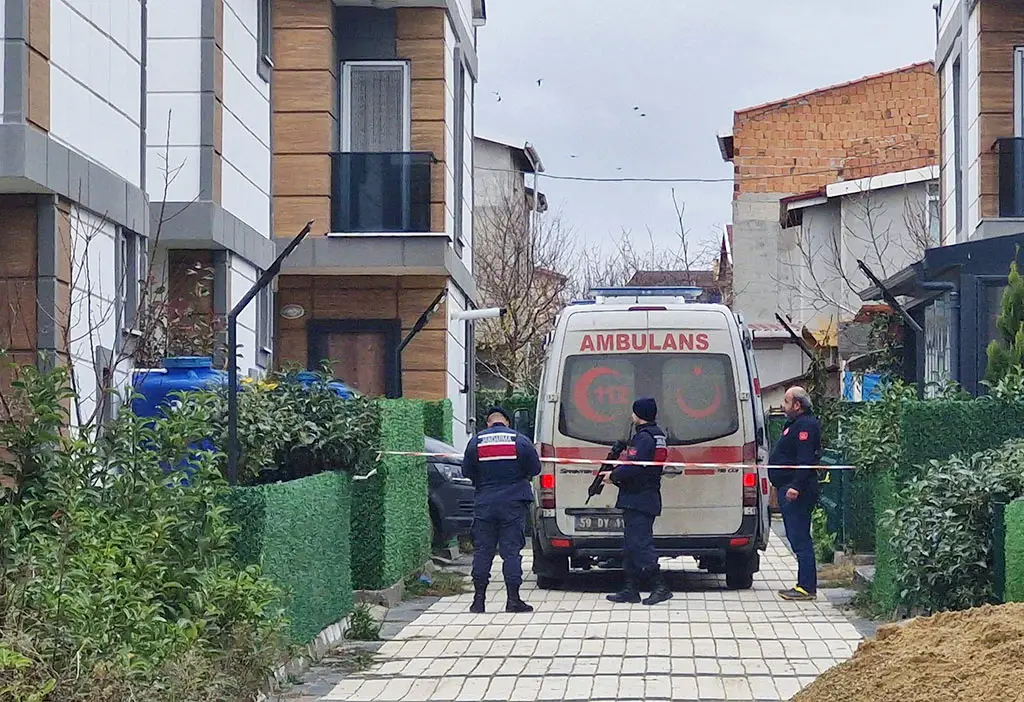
(539, 81)
(498, 95)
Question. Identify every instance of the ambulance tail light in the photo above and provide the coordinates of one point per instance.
(750, 489)
(547, 477)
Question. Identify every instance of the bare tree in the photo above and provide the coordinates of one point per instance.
(821, 274)
(523, 267)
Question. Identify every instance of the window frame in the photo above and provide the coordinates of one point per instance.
(346, 100)
(933, 219)
(132, 264)
(264, 326)
(958, 147)
(1018, 91)
(264, 40)
(459, 158)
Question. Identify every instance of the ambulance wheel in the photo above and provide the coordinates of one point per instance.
(740, 569)
(551, 571)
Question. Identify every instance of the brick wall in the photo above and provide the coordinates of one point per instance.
(875, 125)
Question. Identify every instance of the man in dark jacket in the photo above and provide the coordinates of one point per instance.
(501, 462)
(799, 445)
(640, 502)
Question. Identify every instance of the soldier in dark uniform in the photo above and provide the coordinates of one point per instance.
(640, 502)
(501, 462)
(799, 445)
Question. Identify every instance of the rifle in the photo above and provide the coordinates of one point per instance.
(597, 486)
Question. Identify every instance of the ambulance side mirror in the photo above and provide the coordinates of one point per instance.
(522, 420)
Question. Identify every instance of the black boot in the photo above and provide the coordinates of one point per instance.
(630, 594)
(479, 598)
(660, 591)
(515, 604)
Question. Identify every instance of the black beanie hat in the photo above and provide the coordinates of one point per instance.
(501, 411)
(646, 409)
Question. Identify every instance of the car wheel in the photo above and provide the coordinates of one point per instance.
(551, 571)
(547, 583)
(736, 580)
(739, 571)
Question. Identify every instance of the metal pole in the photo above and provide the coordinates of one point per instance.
(265, 280)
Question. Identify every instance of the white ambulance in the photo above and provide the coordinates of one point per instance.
(697, 361)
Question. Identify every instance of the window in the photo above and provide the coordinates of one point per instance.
(958, 150)
(264, 60)
(375, 107)
(696, 395)
(934, 215)
(1018, 91)
(937, 350)
(458, 165)
(264, 326)
(133, 267)
(470, 361)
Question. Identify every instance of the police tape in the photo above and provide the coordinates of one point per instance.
(596, 461)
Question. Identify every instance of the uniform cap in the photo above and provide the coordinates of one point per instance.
(646, 409)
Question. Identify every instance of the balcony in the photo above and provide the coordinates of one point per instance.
(1011, 177)
(381, 193)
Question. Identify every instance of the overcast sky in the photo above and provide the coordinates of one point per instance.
(688, 65)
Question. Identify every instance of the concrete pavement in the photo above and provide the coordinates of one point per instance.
(709, 643)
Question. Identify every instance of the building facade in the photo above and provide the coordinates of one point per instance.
(177, 145)
(787, 154)
(372, 139)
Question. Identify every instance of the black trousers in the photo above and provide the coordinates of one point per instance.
(501, 528)
(639, 557)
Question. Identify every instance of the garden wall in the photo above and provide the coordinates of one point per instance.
(298, 532)
(437, 420)
(390, 518)
(1013, 520)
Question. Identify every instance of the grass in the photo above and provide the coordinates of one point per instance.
(444, 584)
(466, 545)
(362, 626)
(353, 660)
(832, 575)
(867, 608)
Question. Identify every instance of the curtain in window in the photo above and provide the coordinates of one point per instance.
(377, 109)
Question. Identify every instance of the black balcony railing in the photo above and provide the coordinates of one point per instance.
(1011, 177)
(381, 192)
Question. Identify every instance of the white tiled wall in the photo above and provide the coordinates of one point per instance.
(93, 314)
(96, 81)
(242, 276)
(972, 116)
(948, 156)
(245, 179)
(173, 86)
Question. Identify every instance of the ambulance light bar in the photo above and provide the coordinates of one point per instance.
(690, 294)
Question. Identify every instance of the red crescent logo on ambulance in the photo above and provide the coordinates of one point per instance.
(700, 413)
(581, 394)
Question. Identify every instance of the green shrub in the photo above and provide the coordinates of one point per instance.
(390, 518)
(118, 580)
(485, 399)
(298, 532)
(1007, 351)
(437, 420)
(1014, 521)
(941, 526)
(824, 540)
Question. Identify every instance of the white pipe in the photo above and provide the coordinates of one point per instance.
(486, 313)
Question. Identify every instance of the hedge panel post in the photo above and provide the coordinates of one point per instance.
(1013, 519)
(298, 532)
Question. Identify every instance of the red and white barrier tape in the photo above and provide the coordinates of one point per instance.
(595, 461)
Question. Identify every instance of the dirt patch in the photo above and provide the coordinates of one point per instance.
(970, 655)
(836, 575)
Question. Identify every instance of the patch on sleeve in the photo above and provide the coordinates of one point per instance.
(785, 432)
(804, 436)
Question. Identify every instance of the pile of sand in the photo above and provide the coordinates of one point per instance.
(977, 654)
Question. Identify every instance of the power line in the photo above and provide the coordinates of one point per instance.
(693, 179)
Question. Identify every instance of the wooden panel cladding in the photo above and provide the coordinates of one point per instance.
(427, 57)
(338, 298)
(39, 26)
(304, 49)
(1002, 31)
(303, 174)
(300, 14)
(420, 23)
(304, 91)
(304, 113)
(18, 237)
(292, 213)
(38, 90)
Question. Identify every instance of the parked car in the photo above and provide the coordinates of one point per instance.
(450, 495)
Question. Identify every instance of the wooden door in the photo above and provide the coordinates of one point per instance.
(360, 359)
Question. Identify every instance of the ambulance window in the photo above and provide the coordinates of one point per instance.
(695, 392)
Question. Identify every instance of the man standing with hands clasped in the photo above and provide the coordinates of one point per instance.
(799, 445)
(501, 462)
(640, 502)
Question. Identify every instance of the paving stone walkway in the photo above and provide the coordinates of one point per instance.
(709, 643)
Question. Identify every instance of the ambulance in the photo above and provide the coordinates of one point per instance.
(697, 361)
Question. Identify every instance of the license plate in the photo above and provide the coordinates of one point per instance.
(608, 524)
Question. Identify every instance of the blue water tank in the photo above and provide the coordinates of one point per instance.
(308, 379)
(180, 374)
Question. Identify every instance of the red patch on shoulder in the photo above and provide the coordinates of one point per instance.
(804, 436)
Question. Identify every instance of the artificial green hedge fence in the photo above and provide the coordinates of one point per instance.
(437, 420)
(485, 399)
(390, 518)
(934, 430)
(1013, 519)
(298, 532)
